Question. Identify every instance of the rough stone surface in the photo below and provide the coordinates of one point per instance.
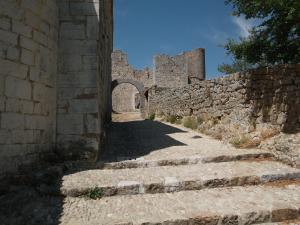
(286, 147)
(256, 105)
(25, 52)
(177, 178)
(267, 95)
(39, 198)
(180, 70)
(190, 207)
(47, 48)
(84, 61)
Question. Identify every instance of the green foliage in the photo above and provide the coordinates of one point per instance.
(95, 193)
(275, 40)
(173, 119)
(151, 116)
(190, 122)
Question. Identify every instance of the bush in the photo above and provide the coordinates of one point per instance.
(190, 122)
(244, 142)
(151, 116)
(173, 119)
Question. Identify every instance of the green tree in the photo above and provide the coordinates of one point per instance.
(275, 40)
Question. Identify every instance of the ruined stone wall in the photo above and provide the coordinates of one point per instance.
(174, 71)
(28, 59)
(84, 70)
(242, 101)
(123, 95)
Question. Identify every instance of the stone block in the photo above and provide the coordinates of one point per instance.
(70, 124)
(28, 44)
(32, 19)
(83, 106)
(8, 37)
(92, 28)
(70, 30)
(17, 137)
(84, 9)
(90, 63)
(17, 88)
(2, 85)
(21, 28)
(13, 69)
(40, 38)
(70, 63)
(4, 135)
(13, 53)
(5, 23)
(79, 79)
(27, 57)
(13, 105)
(79, 47)
(2, 104)
(34, 73)
(42, 92)
(12, 121)
(69, 93)
(35, 122)
(92, 123)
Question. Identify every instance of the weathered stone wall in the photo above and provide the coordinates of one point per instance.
(123, 95)
(28, 62)
(83, 76)
(55, 79)
(243, 101)
(175, 71)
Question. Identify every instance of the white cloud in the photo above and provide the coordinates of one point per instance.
(243, 25)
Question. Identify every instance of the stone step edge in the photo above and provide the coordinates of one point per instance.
(187, 161)
(130, 164)
(135, 187)
(259, 217)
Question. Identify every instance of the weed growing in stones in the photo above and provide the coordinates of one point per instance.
(94, 194)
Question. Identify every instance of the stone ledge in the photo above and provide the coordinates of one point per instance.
(173, 179)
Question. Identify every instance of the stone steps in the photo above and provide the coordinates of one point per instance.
(218, 206)
(176, 178)
(228, 156)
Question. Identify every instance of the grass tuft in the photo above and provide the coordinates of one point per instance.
(95, 193)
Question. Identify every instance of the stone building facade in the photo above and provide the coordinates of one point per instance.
(54, 78)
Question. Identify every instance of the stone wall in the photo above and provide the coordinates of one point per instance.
(123, 96)
(242, 101)
(55, 79)
(176, 71)
(83, 76)
(28, 59)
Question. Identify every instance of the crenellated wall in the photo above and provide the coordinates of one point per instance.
(28, 63)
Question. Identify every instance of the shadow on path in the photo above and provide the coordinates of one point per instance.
(132, 139)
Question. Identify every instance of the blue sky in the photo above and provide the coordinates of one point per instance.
(144, 28)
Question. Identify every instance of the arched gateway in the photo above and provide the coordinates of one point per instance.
(139, 86)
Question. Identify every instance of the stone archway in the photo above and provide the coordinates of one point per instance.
(139, 86)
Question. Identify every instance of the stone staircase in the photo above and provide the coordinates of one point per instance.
(235, 187)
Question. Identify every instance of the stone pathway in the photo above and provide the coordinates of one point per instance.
(160, 174)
